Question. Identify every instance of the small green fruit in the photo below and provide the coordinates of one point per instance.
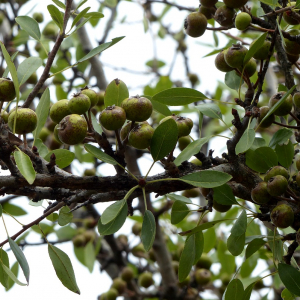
(26, 120)
(242, 21)
(119, 284)
(208, 12)
(225, 16)
(39, 17)
(260, 194)
(32, 79)
(287, 16)
(194, 79)
(195, 24)
(298, 163)
(235, 3)
(292, 47)
(78, 240)
(277, 170)
(137, 228)
(138, 251)
(296, 99)
(59, 110)
(140, 136)
(202, 276)
(221, 64)
(137, 108)
(285, 107)
(263, 51)
(184, 125)
(183, 142)
(123, 240)
(225, 278)
(50, 30)
(4, 115)
(209, 3)
(221, 207)
(79, 104)
(91, 94)
(111, 294)
(196, 162)
(250, 68)
(72, 129)
(204, 262)
(282, 216)
(204, 191)
(192, 193)
(113, 117)
(234, 56)
(89, 172)
(146, 280)
(127, 274)
(268, 121)
(89, 235)
(100, 97)
(57, 80)
(7, 90)
(277, 185)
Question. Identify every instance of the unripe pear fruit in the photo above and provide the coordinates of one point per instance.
(127, 274)
(4, 115)
(298, 163)
(192, 193)
(32, 79)
(292, 58)
(292, 47)
(54, 143)
(50, 125)
(123, 240)
(79, 104)
(26, 120)
(72, 129)
(78, 240)
(268, 121)
(140, 136)
(89, 235)
(225, 278)
(287, 16)
(183, 142)
(100, 97)
(113, 117)
(221, 64)
(263, 51)
(296, 99)
(298, 179)
(146, 280)
(50, 30)
(137, 108)
(208, 12)
(91, 94)
(235, 3)
(194, 79)
(90, 222)
(204, 262)
(59, 110)
(225, 16)
(185, 282)
(234, 56)
(202, 276)
(260, 194)
(119, 284)
(204, 191)
(209, 3)
(195, 24)
(39, 17)
(7, 90)
(137, 228)
(196, 162)
(285, 107)
(242, 21)
(125, 130)
(250, 68)
(184, 125)
(89, 172)
(44, 133)
(57, 80)
(282, 216)
(138, 251)
(111, 294)
(221, 207)
(277, 170)
(277, 185)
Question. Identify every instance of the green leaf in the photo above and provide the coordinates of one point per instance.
(20, 258)
(159, 107)
(115, 93)
(187, 258)
(100, 48)
(80, 4)
(25, 166)
(211, 110)
(199, 245)
(66, 232)
(290, 278)
(235, 290)
(206, 179)
(43, 150)
(96, 125)
(233, 81)
(30, 25)
(276, 245)
(164, 139)
(56, 15)
(112, 211)
(254, 246)
(210, 239)
(240, 225)
(175, 197)
(223, 194)
(255, 47)
(278, 104)
(3, 275)
(94, 15)
(285, 154)
(179, 96)
(98, 153)
(179, 212)
(154, 63)
(89, 256)
(262, 159)
(42, 112)
(63, 268)
(280, 137)
(14, 210)
(63, 157)
(53, 217)
(79, 16)
(6, 71)
(236, 244)
(59, 4)
(27, 67)
(12, 70)
(201, 227)
(148, 230)
(65, 216)
(287, 295)
(12, 275)
(245, 141)
(258, 142)
(248, 291)
(114, 225)
(192, 149)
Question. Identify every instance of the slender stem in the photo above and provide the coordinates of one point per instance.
(4, 225)
(13, 217)
(287, 126)
(145, 199)
(149, 170)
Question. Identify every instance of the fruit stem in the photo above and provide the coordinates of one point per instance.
(88, 123)
(119, 139)
(25, 140)
(90, 119)
(125, 141)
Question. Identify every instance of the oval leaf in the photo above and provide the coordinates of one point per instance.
(64, 216)
(56, 15)
(210, 110)
(235, 290)
(255, 47)
(3, 275)
(164, 139)
(245, 141)
(254, 246)
(290, 278)
(223, 194)
(148, 230)
(98, 153)
(233, 81)
(12, 275)
(27, 67)
(175, 197)
(112, 211)
(63, 157)
(63, 268)
(179, 212)
(280, 137)
(240, 225)
(285, 154)
(236, 244)
(25, 166)
(115, 93)
(206, 179)
(30, 25)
